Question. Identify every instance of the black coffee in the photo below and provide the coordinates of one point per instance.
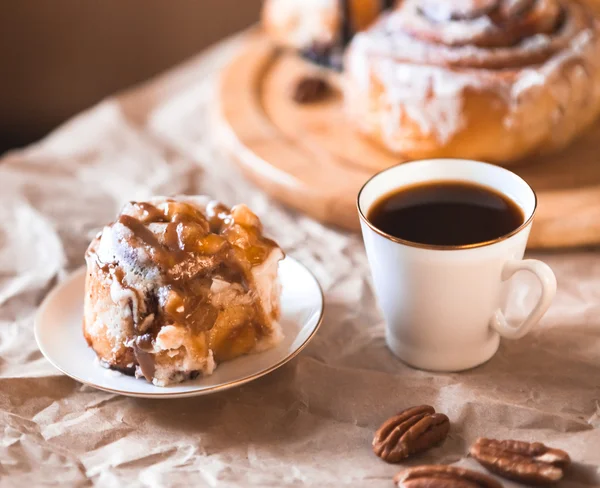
(446, 213)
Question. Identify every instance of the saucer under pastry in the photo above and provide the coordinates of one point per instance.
(59, 337)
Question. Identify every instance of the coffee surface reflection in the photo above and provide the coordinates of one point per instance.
(446, 213)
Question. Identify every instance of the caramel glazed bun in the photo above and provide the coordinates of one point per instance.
(496, 80)
(177, 285)
(320, 29)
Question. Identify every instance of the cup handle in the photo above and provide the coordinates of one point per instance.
(547, 280)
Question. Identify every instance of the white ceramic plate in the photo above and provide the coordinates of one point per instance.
(59, 335)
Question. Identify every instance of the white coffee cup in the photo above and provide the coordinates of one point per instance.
(444, 306)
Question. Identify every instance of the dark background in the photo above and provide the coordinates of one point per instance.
(59, 57)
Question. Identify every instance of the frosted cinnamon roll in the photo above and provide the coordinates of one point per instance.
(320, 29)
(485, 79)
(177, 285)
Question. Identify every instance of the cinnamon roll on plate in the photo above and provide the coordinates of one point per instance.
(497, 80)
(176, 286)
(320, 29)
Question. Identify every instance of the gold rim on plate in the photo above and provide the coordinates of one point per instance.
(198, 392)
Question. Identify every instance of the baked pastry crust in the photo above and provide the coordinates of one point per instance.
(497, 80)
(320, 29)
(177, 285)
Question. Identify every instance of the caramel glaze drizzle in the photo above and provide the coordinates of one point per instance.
(179, 249)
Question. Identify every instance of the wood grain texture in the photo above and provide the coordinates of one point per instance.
(310, 158)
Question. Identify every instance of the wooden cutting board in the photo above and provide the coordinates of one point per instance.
(310, 157)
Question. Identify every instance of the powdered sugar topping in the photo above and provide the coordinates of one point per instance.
(426, 81)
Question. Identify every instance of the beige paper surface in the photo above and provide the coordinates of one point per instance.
(309, 423)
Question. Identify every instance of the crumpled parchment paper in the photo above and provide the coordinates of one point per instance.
(311, 422)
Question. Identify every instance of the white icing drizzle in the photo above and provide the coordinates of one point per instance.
(432, 95)
(425, 94)
(120, 294)
(443, 11)
(567, 76)
(530, 77)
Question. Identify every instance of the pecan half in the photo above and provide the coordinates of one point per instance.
(438, 476)
(411, 431)
(310, 89)
(530, 463)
